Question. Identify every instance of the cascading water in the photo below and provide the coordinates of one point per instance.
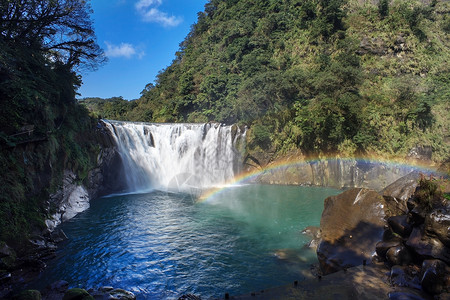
(179, 157)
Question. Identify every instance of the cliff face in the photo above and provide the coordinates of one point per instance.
(106, 177)
(338, 173)
(25, 257)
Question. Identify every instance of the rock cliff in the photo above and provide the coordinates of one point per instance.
(406, 227)
(73, 197)
(338, 173)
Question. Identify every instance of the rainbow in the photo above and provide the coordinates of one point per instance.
(253, 175)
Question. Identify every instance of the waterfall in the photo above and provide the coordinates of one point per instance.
(177, 157)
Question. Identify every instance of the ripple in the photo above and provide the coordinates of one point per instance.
(161, 245)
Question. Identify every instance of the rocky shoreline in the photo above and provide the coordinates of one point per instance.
(20, 264)
(358, 227)
(388, 245)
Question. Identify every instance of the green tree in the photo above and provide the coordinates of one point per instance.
(383, 8)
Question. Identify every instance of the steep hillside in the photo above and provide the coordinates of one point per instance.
(43, 130)
(319, 76)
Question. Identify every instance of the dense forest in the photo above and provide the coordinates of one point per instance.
(316, 76)
(320, 76)
(43, 129)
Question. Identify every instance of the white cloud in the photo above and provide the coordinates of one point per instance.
(122, 50)
(150, 13)
(145, 4)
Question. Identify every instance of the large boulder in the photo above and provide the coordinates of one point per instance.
(352, 223)
(427, 246)
(437, 224)
(397, 193)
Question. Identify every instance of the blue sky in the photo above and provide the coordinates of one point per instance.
(140, 38)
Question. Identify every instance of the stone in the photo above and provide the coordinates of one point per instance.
(122, 294)
(400, 225)
(352, 224)
(427, 246)
(77, 294)
(383, 246)
(397, 193)
(433, 276)
(404, 276)
(398, 255)
(312, 231)
(58, 235)
(437, 224)
(398, 276)
(78, 201)
(417, 214)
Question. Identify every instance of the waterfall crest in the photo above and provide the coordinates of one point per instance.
(177, 157)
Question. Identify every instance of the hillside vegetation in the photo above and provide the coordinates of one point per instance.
(319, 76)
(43, 130)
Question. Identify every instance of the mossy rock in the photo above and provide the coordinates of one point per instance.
(28, 295)
(77, 294)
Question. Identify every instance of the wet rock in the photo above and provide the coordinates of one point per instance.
(314, 233)
(398, 276)
(400, 225)
(58, 235)
(433, 276)
(397, 193)
(437, 224)
(77, 294)
(416, 213)
(398, 255)
(426, 246)
(383, 246)
(352, 224)
(122, 294)
(389, 235)
(404, 276)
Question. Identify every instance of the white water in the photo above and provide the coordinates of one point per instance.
(177, 156)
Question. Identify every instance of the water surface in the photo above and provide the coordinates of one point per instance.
(161, 245)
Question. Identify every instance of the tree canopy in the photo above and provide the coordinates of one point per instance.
(320, 75)
(62, 29)
(43, 129)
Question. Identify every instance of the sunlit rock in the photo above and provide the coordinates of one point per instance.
(352, 224)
